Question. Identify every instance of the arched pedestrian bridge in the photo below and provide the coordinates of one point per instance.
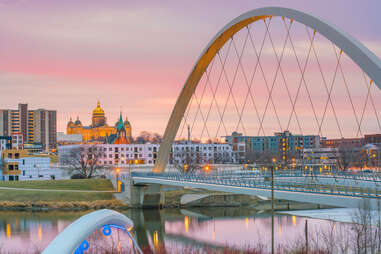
(337, 190)
(307, 115)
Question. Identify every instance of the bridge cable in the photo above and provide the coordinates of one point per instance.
(274, 80)
(283, 75)
(284, 79)
(349, 94)
(235, 78)
(302, 71)
(199, 103)
(300, 82)
(185, 116)
(230, 84)
(260, 67)
(366, 101)
(215, 91)
(329, 97)
(249, 84)
(324, 81)
(246, 82)
(371, 97)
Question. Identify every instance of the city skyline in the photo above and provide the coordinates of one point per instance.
(99, 51)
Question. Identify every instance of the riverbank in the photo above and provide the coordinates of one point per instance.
(92, 194)
(79, 194)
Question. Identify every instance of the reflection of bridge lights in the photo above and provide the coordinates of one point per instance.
(186, 223)
(214, 235)
(39, 232)
(294, 220)
(280, 229)
(8, 231)
(247, 222)
(156, 239)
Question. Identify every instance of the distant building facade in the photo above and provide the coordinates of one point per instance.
(125, 154)
(17, 141)
(36, 126)
(282, 145)
(99, 130)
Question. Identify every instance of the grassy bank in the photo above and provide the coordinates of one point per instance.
(77, 184)
(68, 198)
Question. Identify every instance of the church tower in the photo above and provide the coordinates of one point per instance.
(121, 136)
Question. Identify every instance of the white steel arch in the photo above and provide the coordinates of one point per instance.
(74, 234)
(360, 54)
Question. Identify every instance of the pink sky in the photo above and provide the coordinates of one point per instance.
(130, 55)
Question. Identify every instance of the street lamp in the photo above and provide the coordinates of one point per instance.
(272, 206)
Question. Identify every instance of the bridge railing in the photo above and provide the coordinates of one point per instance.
(262, 181)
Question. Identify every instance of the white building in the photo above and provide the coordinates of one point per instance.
(125, 154)
(17, 165)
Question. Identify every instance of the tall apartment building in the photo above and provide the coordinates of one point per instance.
(36, 126)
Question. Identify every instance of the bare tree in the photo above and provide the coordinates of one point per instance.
(188, 161)
(146, 136)
(346, 157)
(84, 161)
(366, 229)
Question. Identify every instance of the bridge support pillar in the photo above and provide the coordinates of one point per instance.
(147, 196)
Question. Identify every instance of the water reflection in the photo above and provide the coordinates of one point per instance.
(32, 231)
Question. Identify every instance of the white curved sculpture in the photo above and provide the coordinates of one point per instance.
(74, 234)
(361, 55)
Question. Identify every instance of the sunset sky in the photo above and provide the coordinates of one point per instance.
(131, 55)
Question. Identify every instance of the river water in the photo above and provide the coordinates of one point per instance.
(30, 232)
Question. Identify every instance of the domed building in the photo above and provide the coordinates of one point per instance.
(98, 118)
(99, 130)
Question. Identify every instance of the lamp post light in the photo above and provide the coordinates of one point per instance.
(272, 204)
(38, 170)
(117, 171)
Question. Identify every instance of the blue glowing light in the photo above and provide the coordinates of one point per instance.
(106, 230)
(81, 248)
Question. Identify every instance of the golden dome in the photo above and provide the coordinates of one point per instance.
(98, 110)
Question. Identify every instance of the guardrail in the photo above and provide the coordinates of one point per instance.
(263, 181)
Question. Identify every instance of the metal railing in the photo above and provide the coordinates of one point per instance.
(294, 182)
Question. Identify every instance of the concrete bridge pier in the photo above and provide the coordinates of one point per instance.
(147, 196)
(142, 195)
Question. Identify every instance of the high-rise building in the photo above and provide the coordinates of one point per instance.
(36, 126)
